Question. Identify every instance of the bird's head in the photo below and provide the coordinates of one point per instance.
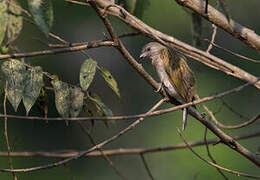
(151, 50)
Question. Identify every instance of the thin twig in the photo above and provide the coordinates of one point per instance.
(58, 38)
(186, 49)
(111, 164)
(244, 124)
(77, 2)
(68, 44)
(86, 45)
(214, 32)
(240, 115)
(210, 113)
(210, 156)
(124, 151)
(6, 134)
(106, 22)
(213, 164)
(219, 124)
(212, 38)
(129, 34)
(233, 53)
(246, 35)
(83, 153)
(147, 167)
(143, 115)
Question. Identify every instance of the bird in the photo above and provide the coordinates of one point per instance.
(175, 75)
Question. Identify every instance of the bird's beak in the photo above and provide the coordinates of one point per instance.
(143, 55)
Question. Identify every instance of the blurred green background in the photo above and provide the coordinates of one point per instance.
(78, 24)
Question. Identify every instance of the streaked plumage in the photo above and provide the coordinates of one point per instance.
(174, 73)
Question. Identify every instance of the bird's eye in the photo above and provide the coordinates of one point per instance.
(148, 49)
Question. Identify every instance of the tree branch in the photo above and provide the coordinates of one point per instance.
(84, 152)
(201, 56)
(124, 151)
(215, 165)
(246, 35)
(6, 134)
(76, 47)
(210, 60)
(143, 115)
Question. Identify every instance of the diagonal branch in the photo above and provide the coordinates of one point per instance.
(147, 167)
(217, 63)
(238, 31)
(109, 161)
(84, 152)
(201, 56)
(210, 156)
(215, 165)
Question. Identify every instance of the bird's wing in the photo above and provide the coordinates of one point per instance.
(180, 74)
(188, 80)
(167, 57)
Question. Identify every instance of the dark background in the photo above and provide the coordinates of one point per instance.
(78, 24)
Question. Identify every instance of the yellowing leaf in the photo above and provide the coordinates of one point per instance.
(14, 73)
(15, 22)
(68, 100)
(87, 73)
(11, 21)
(33, 85)
(3, 20)
(110, 80)
(62, 97)
(42, 102)
(76, 96)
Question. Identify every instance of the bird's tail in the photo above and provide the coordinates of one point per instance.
(184, 118)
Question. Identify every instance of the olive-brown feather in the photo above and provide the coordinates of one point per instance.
(181, 75)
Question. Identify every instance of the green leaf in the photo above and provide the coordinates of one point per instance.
(100, 105)
(76, 101)
(87, 73)
(4, 50)
(3, 20)
(42, 11)
(14, 73)
(11, 21)
(62, 97)
(109, 79)
(15, 22)
(33, 86)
